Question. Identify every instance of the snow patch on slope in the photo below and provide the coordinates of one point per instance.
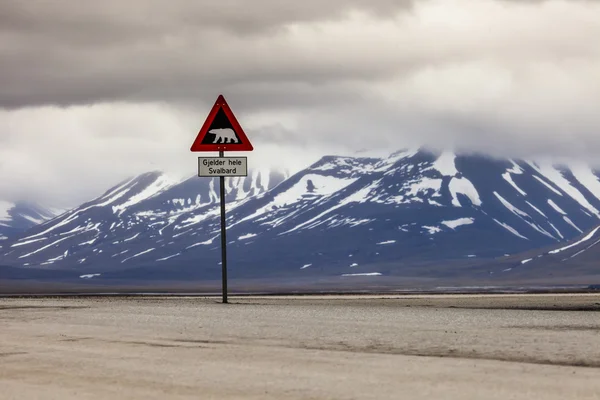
(19, 243)
(424, 184)
(568, 221)
(559, 180)
(116, 193)
(309, 185)
(547, 185)
(89, 276)
(556, 230)
(359, 196)
(445, 164)
(45, 247)
(204, 243)
(508, 178)
(161, 183)
(584, 239)
(556, 207)
(523, 215)
(312, 184)
(138, 254)
(510, 207)
(4, 209)
(453, 224)
(510, 229)
(586, 249)
(515, 169)
(168, 257)
(463, 186)
(586, 177)
(432, 230)
(537, 209)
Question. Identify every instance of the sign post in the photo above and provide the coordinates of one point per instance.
(223, 235)
(221, 132)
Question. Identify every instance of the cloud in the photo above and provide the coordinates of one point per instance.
(188, 51)
(124, 86)
(66, 156)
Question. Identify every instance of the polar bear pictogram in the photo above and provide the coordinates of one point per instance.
(223, 134)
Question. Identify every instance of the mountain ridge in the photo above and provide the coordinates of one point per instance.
(17, 217)
(341, 216)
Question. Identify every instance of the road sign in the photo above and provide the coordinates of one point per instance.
(222, 166)
(221, 131)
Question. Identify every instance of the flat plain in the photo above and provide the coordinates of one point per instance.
(304, 347)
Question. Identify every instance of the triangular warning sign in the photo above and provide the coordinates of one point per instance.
(221, 131)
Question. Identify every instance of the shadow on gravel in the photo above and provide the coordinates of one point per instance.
(559, 328)
(456, 354)
(593, 307)
(14, 353)
(41, 307)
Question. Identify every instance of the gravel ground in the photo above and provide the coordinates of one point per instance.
(306, 347)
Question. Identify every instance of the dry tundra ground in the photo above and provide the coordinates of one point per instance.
(308, 347)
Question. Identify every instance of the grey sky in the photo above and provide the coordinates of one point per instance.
(95, 91)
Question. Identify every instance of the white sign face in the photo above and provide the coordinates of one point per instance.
(222, 166)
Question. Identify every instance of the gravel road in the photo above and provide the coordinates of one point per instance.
(342, 347)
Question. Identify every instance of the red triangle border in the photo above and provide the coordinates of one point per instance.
(245, 144)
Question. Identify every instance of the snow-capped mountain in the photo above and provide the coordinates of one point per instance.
(17, 217)
(133, 210)
(411, 212)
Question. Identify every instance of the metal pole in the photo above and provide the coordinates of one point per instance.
(223, 235)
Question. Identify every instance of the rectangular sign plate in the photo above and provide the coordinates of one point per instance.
(222, 166)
